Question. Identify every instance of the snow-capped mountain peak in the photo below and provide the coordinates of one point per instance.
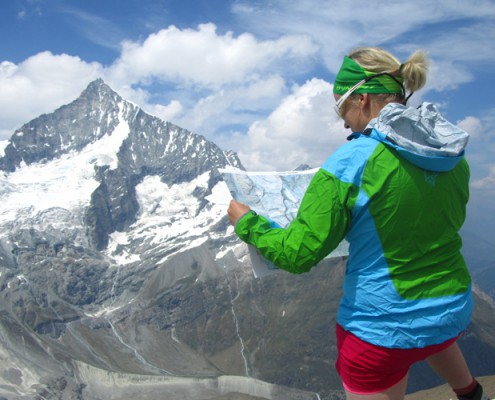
(89, 156)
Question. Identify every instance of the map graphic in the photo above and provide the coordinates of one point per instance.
(275, 195)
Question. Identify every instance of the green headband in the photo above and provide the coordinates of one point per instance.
(351, 73)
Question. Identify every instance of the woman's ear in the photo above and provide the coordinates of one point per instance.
(365, 103)
(368, 107)
(364, 99)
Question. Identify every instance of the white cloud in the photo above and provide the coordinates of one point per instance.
(338, 27)
(168, 113)
(439, 80)
(481, 150)
(21, 14)
(38, 85)
(202, 57)
(233, 105)
(472, 125)
(302, 130)
(97, 29)
(486, 183)
(482, 136)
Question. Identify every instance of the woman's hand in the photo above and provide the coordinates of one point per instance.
(236, 210)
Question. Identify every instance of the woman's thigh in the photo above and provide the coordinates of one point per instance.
(396, 392)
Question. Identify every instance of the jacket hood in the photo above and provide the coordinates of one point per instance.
(420, 135)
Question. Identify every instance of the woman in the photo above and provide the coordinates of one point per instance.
(397, 191)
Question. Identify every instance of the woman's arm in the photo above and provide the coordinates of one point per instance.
(321, 223)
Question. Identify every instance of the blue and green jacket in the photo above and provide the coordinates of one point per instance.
(398, 194)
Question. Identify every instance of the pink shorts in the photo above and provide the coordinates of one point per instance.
(366, 369)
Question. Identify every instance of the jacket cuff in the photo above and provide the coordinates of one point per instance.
(244, 223)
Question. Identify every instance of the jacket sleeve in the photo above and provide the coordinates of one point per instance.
(321, 223)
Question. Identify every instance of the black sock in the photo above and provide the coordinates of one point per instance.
(474, 394)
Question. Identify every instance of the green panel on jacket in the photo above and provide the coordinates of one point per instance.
(404, 197)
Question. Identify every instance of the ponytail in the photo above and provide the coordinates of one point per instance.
(413, 71)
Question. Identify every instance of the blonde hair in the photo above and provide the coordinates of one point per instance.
(413, 71)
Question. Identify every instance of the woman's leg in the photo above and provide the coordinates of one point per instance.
(452, 367)
(396, 392)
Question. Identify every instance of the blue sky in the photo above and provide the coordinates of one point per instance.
(252, 76)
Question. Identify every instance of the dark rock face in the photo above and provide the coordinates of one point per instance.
(140, 289)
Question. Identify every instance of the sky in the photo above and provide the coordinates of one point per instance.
(253, 76)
